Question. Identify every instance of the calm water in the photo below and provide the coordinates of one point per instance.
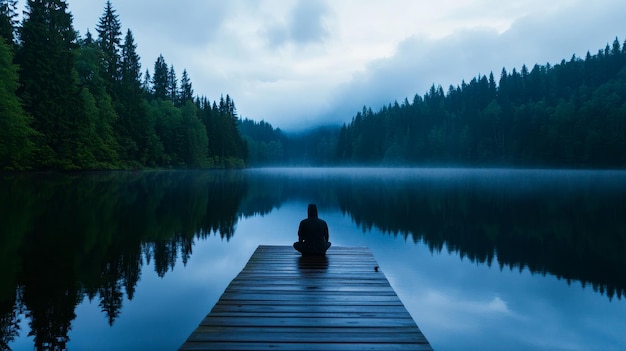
(482, 259)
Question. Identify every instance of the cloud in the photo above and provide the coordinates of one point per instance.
(417, 64)
(302, 63)
(307, 22)
(304, 25)
(159, 22)
(420, 61)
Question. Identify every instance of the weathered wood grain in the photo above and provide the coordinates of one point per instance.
(282, 301)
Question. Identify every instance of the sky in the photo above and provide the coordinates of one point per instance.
(298, 64)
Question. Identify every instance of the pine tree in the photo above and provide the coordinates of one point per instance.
(49, 88)
(88, 64)
(98, 103)
(196, 141)
(172, 85)
(186, 90)
(109, 38)
(230, 107)
(8, 20)
(16, 134)
(133, 126)
(146, 85)
(160, 79)
(131, 65)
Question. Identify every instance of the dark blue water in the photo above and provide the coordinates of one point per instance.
(482, 259)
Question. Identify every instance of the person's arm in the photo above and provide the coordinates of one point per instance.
(300, 233)
(326, 231)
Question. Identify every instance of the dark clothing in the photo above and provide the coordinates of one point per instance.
(308, 250)
(312, 235)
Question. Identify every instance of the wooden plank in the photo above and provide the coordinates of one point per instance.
(259, 346)
(314, 314)
(273, 308)
(282, 301)
(305, 304)
(307, 322)
(293, 334)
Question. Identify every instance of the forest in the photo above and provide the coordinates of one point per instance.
(269, 146)
(71, 102)
(568, 115)
(572, 114)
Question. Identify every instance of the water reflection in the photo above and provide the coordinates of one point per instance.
(64, 238)
(571, 224)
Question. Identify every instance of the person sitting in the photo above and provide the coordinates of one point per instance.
(312, 235)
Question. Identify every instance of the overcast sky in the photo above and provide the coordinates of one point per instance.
(302, 63)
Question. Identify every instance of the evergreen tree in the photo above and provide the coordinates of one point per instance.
(89, 104)
(172, 85)
(146, 85)
(8, 20)
(567, 115)
(186, 90)
(170, 131)
(16, 144)
(196, 151)
(98, 103)
(131, 65)
(109, 39)
(160, 79)
(49, 87)
(265, 145)
(133, 127)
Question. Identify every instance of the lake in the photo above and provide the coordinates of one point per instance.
(483, 259)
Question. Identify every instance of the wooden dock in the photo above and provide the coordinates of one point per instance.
(282, 301)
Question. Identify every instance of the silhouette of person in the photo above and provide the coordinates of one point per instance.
(312, 235)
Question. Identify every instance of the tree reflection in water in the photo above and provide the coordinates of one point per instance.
(64, 238)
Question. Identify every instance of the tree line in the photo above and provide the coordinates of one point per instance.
(269, 146)
(76, 103)
(572, 114)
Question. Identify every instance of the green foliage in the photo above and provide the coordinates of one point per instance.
(134, 128)
(264, 143)
(169, 128)
(268, 146)
(16, 146)
(98, 105)
(49, 86)
(197, 142)
(8, 20)
(226, 147)
(109, 39)
(186, 90)
(567, 115)
(90, 107)
(160, 78)
(172, 85)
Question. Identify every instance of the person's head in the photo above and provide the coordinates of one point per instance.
(312, 210)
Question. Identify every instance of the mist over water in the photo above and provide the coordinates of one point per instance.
(482, 258)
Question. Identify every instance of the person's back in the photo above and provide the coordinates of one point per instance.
(312, 234)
